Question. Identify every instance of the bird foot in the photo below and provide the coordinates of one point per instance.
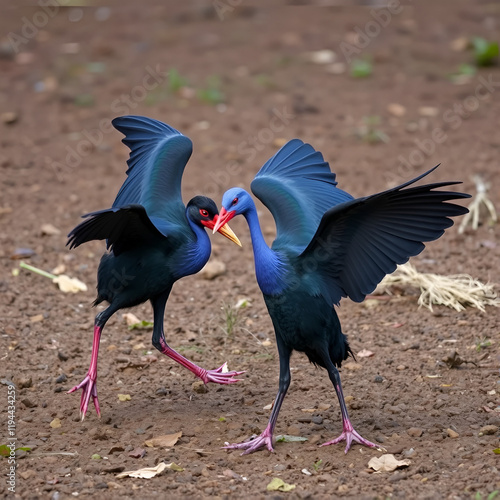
(254, 443)
(220, 375)
(349, 435)
(89, 389)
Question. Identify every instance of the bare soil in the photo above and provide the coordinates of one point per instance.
(61, 84)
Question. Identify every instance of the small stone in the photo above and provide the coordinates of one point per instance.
(488, 430)
(378, 379)
(23, 382)
(28, 403)
(49, 230)
(414, 432)
(396, 109)
(317, 419)
(56, 423)
(9, 117)
(61, 379)
(62, 356)
(452, 434)
(428, 111)
(401, 367)
(293, 430)
(199, 387)
(213, 269)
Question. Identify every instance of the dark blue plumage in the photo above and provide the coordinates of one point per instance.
(328, 246)
(153, 239)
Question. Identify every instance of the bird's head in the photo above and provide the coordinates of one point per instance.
(203, 211)
(235, 201)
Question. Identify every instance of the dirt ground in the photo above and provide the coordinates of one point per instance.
(238, 79)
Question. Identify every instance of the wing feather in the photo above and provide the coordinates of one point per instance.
(298, 187)
(358, 242)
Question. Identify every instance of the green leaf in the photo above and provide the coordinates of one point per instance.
(24, 448)
(141, 324)
(484, 51)
(222, 419)
(285, 438)
(4, 450)
(361, 68)
(496, 451)
(493, 495)
(278, 484)
(96, 456)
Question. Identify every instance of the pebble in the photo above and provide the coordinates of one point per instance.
(213, 269)
(488, 430)
(378, 379)
(61, 379)
(29, 404)
(23, 382)
(199, 387)
(414, 432)
(62, 356)
(452, 434)
(317, 419)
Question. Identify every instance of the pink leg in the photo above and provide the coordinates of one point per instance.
(89, 383)
(348, 433)
(218, 376)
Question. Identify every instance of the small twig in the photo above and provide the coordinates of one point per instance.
(34, 269)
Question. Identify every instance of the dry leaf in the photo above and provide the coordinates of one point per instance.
(365, 353)
(278, 484)
(131, 319)
(49, 230)
(69, 285)
(150, 472)
(387, 463)
(56, 423)
(124, 397)
(166, 441)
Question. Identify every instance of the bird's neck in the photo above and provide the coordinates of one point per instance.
(197, 251)
(269, 268)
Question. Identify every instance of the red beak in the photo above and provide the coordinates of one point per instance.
(224, 218)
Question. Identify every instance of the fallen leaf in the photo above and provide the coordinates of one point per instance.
(387, 463)
(124, 397)
(69, 285)
(278, 484)
(130, 319)
(96, 456)
(56, 423)
(496, 451)
(61, 268)
(306, 472)
(141, 324)
(365, 353)
(37, 318)
(166, 441)
(308, 410)
(150, 472)
(285, 438)
(49, 230)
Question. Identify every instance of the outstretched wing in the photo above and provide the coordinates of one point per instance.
(358, 242)
(158, 156)
(298, 187)
(123, 228)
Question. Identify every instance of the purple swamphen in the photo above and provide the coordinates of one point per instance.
(153, 239)
(328, 246)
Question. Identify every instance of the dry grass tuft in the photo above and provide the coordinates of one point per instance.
(456, 291)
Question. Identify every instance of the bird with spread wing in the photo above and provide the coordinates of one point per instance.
(328, 246)
(152, 237)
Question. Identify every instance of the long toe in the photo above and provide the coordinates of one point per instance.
(219, 377)
(350, 436)
(252, 445)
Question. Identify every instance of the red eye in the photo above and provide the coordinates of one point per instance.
(203, 212)
(234, 201)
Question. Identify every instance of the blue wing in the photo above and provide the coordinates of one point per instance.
(358, 242)
(158, 156)
(298, 187)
